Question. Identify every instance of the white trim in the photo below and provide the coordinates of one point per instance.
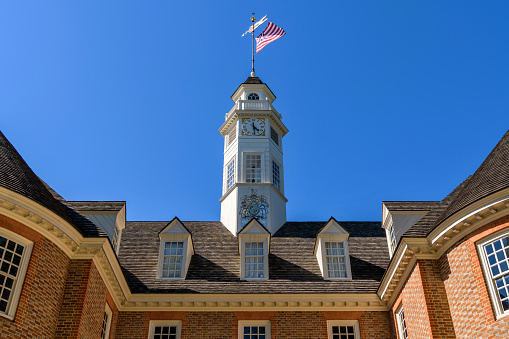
(243, 323)
(245, 238)
(154, 323)
(108, 311)
(399, 321)
(354, 323)
(185, 254)
(322, 258)
(488, 278)
(22, 269)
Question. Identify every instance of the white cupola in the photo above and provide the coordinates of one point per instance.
(253, 175)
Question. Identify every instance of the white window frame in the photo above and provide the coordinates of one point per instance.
(354, 323)
(392, 238)
(232, 176)
(248, 238)
(259, 323)
(490, 281)
(261, 154)
(107, 310)
(22, 269)
(173, 238)
(279, 181)
(340, 239)
(154, 323)
(402, 323)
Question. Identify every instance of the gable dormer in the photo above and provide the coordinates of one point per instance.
(175, 251)
(331, 251)
(254, 245)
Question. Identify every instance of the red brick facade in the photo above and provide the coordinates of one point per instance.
(222, 325)
(43, 288)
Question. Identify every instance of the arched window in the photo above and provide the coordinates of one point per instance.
(253, 96)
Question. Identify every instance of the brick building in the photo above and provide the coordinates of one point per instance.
(79, 269)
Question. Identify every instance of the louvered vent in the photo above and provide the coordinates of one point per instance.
(274, 136)
(232, 135)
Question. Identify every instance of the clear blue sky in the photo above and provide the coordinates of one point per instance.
(384, 100)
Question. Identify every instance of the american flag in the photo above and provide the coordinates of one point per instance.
(269, 34)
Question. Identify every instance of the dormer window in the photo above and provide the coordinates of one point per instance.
(253, 96)
(254, 240)
(172, 259)
(175, 251)
(335, 259)
(331, 250)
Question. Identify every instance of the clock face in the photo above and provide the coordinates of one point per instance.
(253, 126)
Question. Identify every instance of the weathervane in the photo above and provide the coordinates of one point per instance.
(269, 34)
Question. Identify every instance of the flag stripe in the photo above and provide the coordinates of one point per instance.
(269, 34)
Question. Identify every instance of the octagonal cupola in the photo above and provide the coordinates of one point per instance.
(253, 173)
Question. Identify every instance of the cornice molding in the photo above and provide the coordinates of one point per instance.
(238, 184)
(254, 302)
(438, 241)
(237, 114)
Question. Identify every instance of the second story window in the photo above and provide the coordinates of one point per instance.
(253, 96)
(230, 176)
(254, 260)
(253, 168)
(400, 315)
(275, 174)
(172, 259)
(335, 259)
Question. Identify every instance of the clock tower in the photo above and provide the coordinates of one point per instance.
(253, 174)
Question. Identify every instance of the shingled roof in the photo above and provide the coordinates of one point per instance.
(215, 266)
(96, 205)
(410, 205)
(491, 177)
(16, 175)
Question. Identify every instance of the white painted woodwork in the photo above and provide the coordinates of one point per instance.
(243, 145)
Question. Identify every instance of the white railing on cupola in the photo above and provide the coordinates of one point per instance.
(253, 105)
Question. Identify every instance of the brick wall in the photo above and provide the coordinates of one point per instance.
(83, 303)
(467, 292)
(414, 304)
(42, 292)
(222, 325)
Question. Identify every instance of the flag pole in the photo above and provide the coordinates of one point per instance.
(253, 20)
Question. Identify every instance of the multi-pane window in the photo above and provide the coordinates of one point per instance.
(254, 332)
(400, 314)
(497, 253)
(105, 327)
(116, 236)
(230, 176)
(172, 259)
(275, 174)
(165, 332)
(11, 254)
(253, 168)
(274, 135)
(335, 259)
(254, 260)
(253, 96)
(393, 238)
(343, 332)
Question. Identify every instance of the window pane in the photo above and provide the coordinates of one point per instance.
(172, 259)
(335, 259)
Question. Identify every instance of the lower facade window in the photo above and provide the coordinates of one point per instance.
(105, 328)
(343, 329)
(254, 329)
(165, 329)
(14, 254)
(400, 318)
(495, 260)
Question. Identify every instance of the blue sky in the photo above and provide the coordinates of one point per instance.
(384, 100)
